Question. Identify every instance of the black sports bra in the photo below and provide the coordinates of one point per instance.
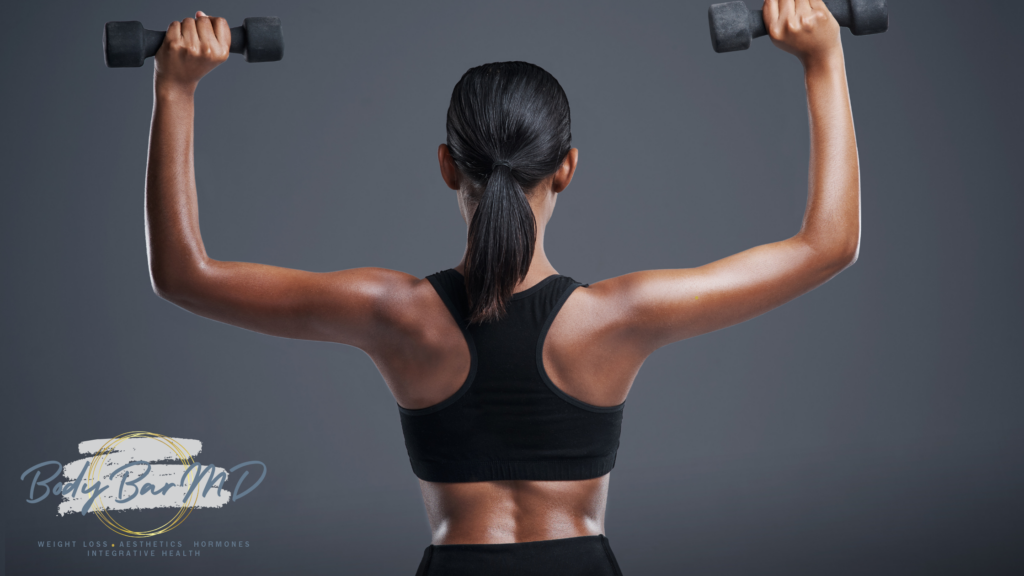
(509, 421)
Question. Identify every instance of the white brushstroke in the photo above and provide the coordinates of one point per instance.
(143, 450)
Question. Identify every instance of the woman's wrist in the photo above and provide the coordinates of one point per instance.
(824, 62)
(169, 90)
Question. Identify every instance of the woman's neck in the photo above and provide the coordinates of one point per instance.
(540, 268)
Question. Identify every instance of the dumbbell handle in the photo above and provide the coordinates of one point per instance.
(153, 39)
(840, 9)
(128, 44)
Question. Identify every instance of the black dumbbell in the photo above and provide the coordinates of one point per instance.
(127, 44)
(733, 25)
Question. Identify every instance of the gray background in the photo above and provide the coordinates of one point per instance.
(870, 427)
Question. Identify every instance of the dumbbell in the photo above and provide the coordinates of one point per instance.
(733, 25)
(127, 44)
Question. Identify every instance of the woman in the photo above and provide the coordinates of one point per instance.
(509, 378)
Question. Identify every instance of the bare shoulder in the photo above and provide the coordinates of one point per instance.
(591, 351)
(627, 315)
(401, 305)
(417, 346)
(610, 309)
(409, 303)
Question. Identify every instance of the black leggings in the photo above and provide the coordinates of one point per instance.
(584, 555)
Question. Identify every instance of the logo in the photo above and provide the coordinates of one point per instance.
(136, 471)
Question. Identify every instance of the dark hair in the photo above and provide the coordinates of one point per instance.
(508, 129)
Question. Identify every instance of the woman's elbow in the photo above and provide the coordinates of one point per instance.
(175, 278)
(163, 287)
(851, 248)
(171, 285)
(853, 256)
(834, 255)
(845, 256)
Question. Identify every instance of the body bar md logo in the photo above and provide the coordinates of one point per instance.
(136, 471)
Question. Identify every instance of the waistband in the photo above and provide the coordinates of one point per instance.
(576, 556)
(537, 544)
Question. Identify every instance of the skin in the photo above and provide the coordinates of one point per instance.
(597, 342)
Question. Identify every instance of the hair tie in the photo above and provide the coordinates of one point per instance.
(501, 163)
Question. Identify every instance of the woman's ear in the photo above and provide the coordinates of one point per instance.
(564, 174)
(449, 171)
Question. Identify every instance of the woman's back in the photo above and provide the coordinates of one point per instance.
(504, 416)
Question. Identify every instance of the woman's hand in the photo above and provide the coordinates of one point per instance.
(804, 28)
(191, 48)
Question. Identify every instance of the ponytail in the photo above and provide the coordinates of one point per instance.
(508, 128)
(502, 236)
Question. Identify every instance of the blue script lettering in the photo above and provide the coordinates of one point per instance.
(35, 481)
(124, 479)
(238, 495)
(97, 487)
(209, 481)
(73, 487)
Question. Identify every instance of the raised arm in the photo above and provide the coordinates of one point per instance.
(658, 307)
(351, 306)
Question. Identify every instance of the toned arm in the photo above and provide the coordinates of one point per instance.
(657, 307)
(350, 306)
